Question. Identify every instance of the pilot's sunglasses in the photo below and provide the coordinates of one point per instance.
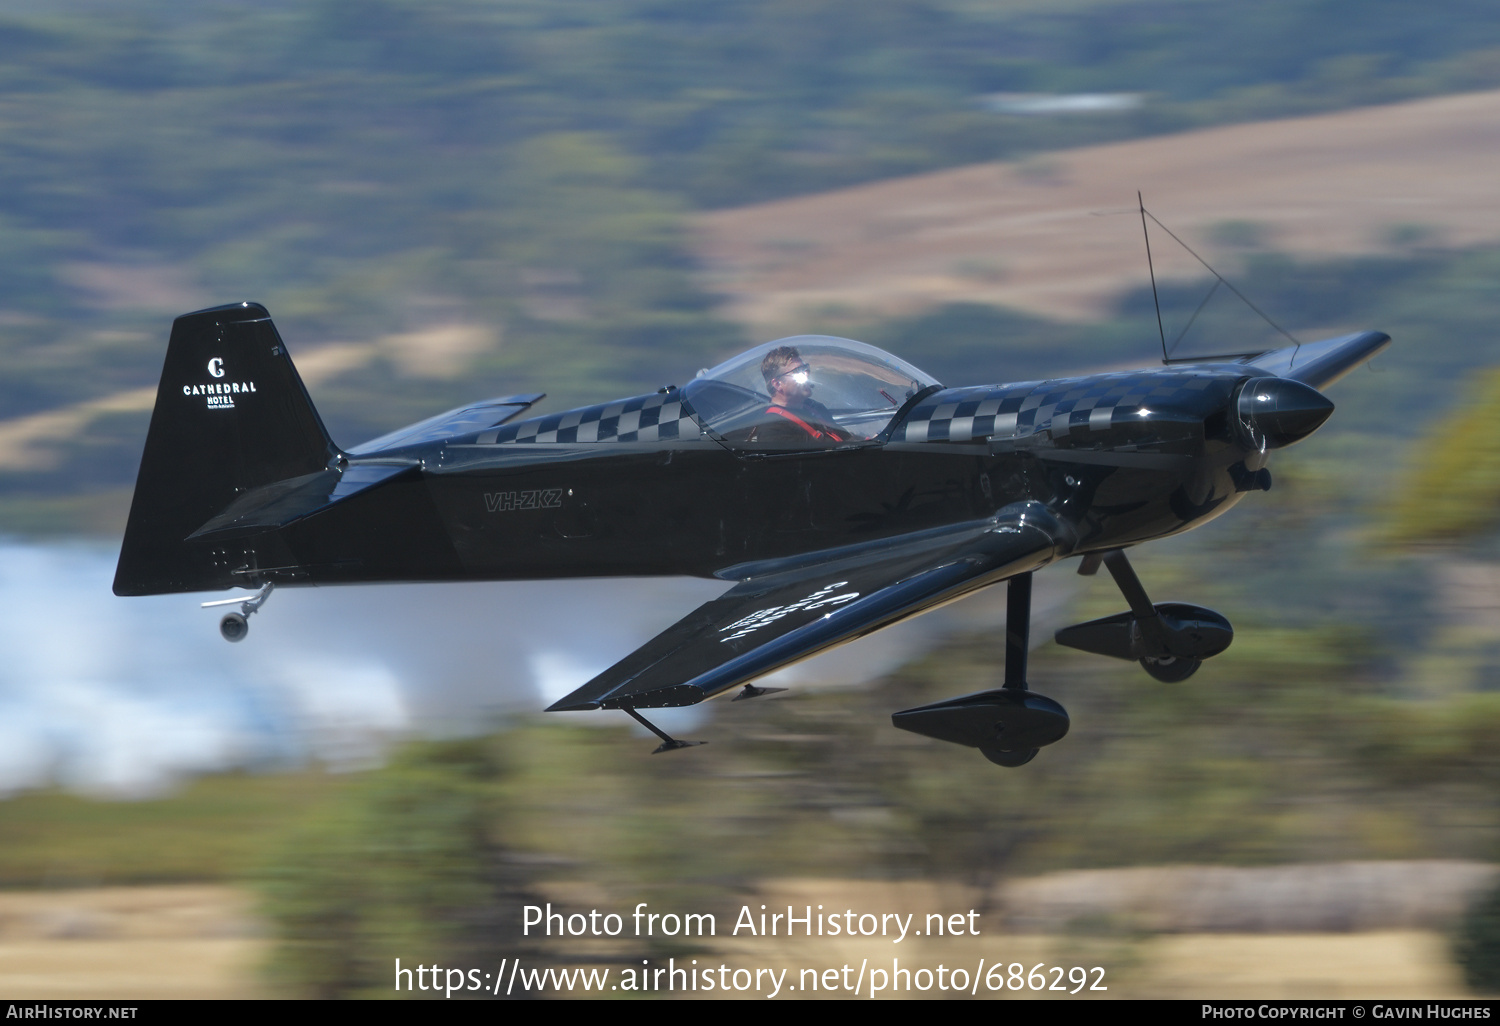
(797, 374)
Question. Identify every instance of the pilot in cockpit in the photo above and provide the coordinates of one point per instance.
(794, 415)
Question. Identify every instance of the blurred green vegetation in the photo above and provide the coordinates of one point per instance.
(215, 828)
(1451, 490)
(409, 863)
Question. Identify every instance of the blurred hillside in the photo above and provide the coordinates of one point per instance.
(1059, 235)
(486, 197)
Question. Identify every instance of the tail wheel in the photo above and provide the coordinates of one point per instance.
(1170, 669)
(234, 627)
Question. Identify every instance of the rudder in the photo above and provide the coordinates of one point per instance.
(231, 414)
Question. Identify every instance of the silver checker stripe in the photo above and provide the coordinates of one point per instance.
(1035, 407)
(645, 418)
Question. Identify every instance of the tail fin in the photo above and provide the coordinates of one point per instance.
(231, 415)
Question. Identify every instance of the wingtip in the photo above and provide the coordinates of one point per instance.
(567, 705)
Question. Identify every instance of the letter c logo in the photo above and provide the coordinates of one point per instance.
(216, 367)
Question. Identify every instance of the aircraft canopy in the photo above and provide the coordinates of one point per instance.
(856, 387)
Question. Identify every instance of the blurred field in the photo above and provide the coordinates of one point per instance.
(1406, 964)
(1387, 963)
(179, 941)
(1396, 964)
(1312, 930)
(206, 942)
(1058, 235)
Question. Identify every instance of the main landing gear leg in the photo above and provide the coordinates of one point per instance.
(668, 742)
(1130, 586)
(1017, 652)
(1007, 725)
(1017, 630)
(1169, 639)
(1153, 633)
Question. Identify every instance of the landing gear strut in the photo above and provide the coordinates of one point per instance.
(1169, 639)
(234, 626)
(1008, 725)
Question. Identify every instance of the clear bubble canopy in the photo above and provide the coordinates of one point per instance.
(856, 386)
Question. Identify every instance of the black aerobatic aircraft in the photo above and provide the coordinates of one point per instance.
(837, 487)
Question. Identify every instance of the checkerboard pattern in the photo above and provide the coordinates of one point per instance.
(645, 418)
(1057, 406)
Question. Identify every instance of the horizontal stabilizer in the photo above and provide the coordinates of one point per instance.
(285, 502)
(465, 420)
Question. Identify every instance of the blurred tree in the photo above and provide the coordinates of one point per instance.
(412, 865)
(1451, 489)
(1477, 946)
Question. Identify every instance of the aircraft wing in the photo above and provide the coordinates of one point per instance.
(784, 611)
(1320, 364)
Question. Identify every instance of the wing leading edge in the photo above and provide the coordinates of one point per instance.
(1320, 364)
(780, 614)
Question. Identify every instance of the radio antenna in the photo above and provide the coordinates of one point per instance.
(1150, 267)
(1165, 356)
